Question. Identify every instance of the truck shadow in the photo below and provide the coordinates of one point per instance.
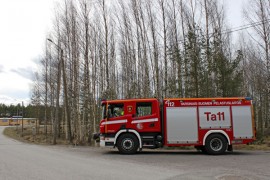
(180, 152)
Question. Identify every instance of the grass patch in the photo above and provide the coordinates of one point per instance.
(261, 144)
(39, 138)
(12, 133)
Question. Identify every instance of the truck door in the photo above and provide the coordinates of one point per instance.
(146, 118)
(116, 119)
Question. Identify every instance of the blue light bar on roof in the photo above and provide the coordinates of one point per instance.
(248, 98)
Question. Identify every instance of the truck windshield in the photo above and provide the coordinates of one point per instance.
(103, 115)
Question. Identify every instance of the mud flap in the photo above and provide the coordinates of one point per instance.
(230, 148)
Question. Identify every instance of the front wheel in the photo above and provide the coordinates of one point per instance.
(127, 144)
(216, 144)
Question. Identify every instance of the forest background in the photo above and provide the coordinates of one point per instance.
(115, 49)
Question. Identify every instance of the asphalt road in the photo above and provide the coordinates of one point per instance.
(26, 161)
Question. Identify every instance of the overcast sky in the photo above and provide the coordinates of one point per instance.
(24, 25)
(23, 29)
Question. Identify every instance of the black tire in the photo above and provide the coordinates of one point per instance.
(204, 150)
(216, 144)
(127, 144)
(201, 148)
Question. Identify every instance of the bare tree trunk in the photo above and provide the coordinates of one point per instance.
(208, 73)
(156, 69)
(104, 14)
(165, 80)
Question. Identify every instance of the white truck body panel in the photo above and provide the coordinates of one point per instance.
(242, 122)
(214, 117)
(182, 125)
(183, 128)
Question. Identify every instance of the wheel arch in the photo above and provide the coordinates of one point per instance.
(122, 131)
(216, 132)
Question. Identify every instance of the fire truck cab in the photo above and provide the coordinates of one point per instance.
(212, 125)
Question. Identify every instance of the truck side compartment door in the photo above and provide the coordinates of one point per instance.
(182, 125)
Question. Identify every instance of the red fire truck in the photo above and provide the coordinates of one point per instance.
(212, 125)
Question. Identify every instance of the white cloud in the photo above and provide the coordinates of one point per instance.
(25, 72)
(9, 100)
(1, 68)
(24, 25)
(12, 82)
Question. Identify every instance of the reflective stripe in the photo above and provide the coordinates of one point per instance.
(114, 122)
(144, 120)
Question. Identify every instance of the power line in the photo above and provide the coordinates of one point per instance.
(161, 46)
(239, 28)
(231, 30)
(247, 26)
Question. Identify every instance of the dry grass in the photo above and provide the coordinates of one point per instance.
(39, 138)
(12, 132)
(263, 144)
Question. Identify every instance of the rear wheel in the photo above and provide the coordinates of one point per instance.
(127, 144)
(216, 144)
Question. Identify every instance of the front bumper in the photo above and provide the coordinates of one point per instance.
(106, 141)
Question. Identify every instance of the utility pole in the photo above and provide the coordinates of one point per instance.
(22, 119)
(57, 117)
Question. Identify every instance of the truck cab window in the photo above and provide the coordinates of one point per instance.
(143, 109)
(116, 110)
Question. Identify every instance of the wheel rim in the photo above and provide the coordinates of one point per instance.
(216, 144)
(127, 144)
